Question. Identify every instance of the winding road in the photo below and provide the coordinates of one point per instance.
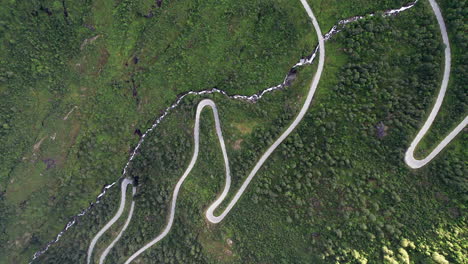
(410, 160)
(409, 157)
(123, 190)
(209, 103)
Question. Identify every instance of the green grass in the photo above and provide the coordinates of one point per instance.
(198, 45)
(45, 73)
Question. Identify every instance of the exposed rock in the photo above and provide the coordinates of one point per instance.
(90, 27)
(149, 15)
(315, 234)
(50, 163)
(69, 113)
(290, 77)
(88, 41)
(38, 144)
(381, 130)
(138, 132)
(237, 144)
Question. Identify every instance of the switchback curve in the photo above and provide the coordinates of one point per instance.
(409, 156)
(207, 102)
(410, 160)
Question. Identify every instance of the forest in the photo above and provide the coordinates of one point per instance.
(80, 77)
(337, 191)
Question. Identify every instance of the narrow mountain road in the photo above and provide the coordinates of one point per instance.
(209, 213)
(409, 157)
(249, 98)
(123, 189)
(111, 245)
(410, 160)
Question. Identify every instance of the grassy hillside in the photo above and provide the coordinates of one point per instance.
(79, 77)
(337, 191)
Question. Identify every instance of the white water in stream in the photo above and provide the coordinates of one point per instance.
(253, 99)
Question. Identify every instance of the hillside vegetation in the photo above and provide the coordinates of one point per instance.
(79, 78)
